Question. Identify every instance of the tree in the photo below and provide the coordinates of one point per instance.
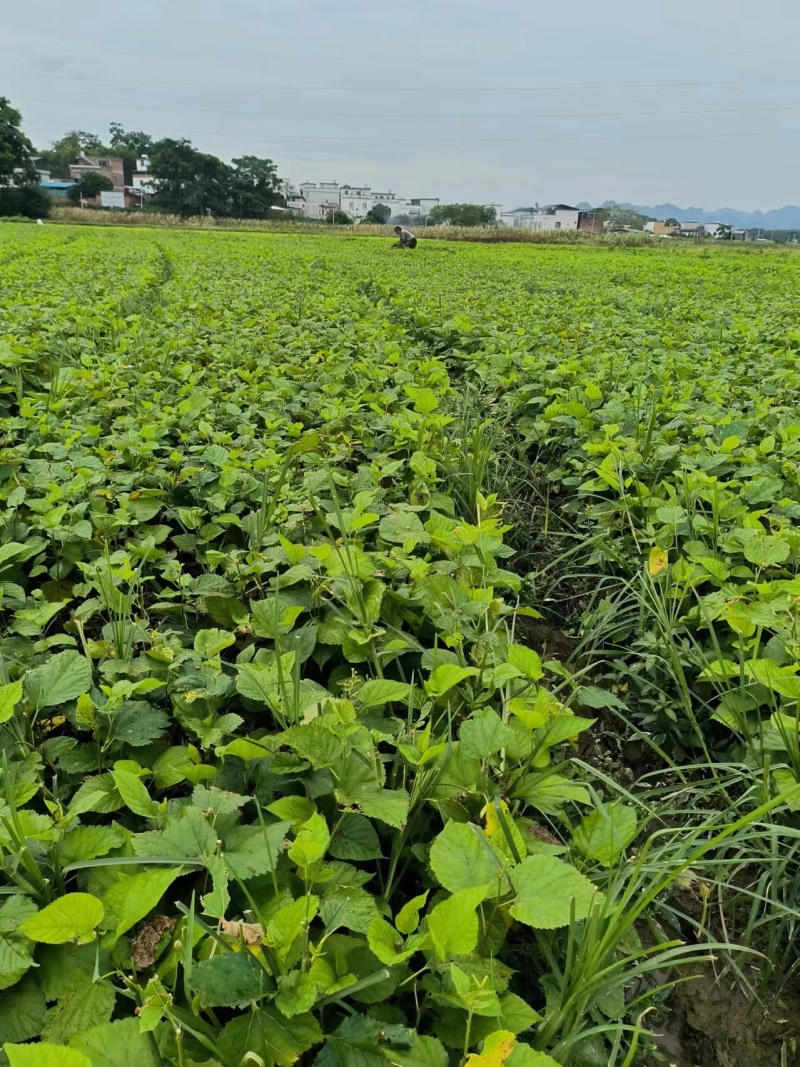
(625, 217)
(724, 232)
(462, 215)
(379, 214)
(189, 182)
(254, 187)
(15, 148)
(27, 200)
(671, 222)
(338, 218)
(129, 143)
(89, 186)
(68, 148)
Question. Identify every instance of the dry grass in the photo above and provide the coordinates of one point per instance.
(485, 234)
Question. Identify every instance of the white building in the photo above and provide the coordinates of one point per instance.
(551, 217)
(141, 179)
(315, 200)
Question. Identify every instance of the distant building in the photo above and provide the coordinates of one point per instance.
(110, 167)
(142, 181)
(690, 229)
(660, 229)
(58, 190)
(551, 217)
(315, 200)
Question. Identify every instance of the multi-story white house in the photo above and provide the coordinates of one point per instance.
(315, 200)
(551, 217)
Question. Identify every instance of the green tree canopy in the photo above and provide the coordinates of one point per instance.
(129, 143)
(15, 148)
(189, 182)
(254, 187)
(67, 149)
(379, 214)
(462, 215)
(90, 185)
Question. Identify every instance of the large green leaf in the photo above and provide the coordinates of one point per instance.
(270, 1036)
(63, 677)
(82, 1005)
(70, 918)
(381, 691)
(484, 734)
(45, 1055)
(361, 1042)
(311, 842)
(22, 1011)
(134, 895)
(453, 924)
(547, 891)
(10, 696)
(462, 858)
(117, 1044)
(229, 980)
(606, 832)
(297, 993)
(354, 838)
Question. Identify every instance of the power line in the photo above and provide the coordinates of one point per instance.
(311, 138)
(401, 88)
(426, 115)
(390, 58)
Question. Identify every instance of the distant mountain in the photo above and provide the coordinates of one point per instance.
(784, 218)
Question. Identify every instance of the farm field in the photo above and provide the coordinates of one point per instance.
(398, 652)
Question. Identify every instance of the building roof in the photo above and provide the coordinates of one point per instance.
(550, 209)
(57, 184)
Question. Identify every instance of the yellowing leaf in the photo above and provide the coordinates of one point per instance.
(657, 561)
(496, 1049)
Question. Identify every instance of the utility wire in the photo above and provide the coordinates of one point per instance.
(398, 88)
(105, 106)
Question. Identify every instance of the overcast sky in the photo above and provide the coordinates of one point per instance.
(515, 101)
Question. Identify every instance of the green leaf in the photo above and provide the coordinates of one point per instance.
(251, 851)
(424, 1052)
(311, 843)
(484, 734)
(10, 696)
(357, 1043)
(269, 1035)
(546, 887)
(407, 919)
(459, 860)
(445, 676)
(70, 918)
(350, 907)
(297, 993)
(133, 792)
(22, 1012)
(388, 805)
(89, 842)
(98, 794)
(117, 1044)
(82, 1005)
(45, 1055)
(295, 810)
(354, 838)
(605, 833)
(15, 960)
(385, 942)
(403, 528)
(229, 980)
(766, 551)
(63, 677)
(527, 662)
(381, 691)
(453, 924)
(591, 696)
(134, 895)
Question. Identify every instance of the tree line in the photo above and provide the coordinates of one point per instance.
(186, 181)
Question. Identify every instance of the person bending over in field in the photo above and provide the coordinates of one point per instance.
(404, 238)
